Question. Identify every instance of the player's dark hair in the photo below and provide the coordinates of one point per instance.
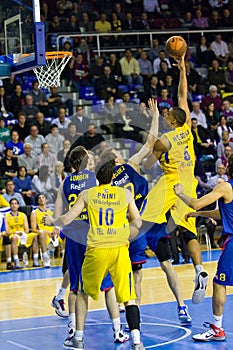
(13, 199)
(107, 155)
(78, 158)
(229, 170)
(179, 115)
(104, 171)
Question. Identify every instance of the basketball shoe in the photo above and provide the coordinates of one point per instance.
(212, 334)
(59, 307)
(183, 315)
(201, 280)
(120, 337)
(138, 347)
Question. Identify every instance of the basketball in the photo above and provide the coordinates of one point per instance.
(176, 46)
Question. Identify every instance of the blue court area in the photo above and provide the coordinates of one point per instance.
(160, 329)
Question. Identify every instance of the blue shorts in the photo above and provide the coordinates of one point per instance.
(137, 250)
(154, 232)
(224, 274)
(75, 253)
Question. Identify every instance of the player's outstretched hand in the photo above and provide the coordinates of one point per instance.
(152, 103)
(191, 214)
(178, 189)
(48, 220)
(180, 62)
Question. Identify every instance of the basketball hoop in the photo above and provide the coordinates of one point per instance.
(49, 75)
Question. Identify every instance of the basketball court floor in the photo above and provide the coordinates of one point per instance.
(29, 322)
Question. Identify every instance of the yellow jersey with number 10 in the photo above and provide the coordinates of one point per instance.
(107, 211)
(179, 161)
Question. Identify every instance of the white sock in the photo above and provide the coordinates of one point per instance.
(79, 335)
(8, 260)
(217, 321)
(61, 294)
(135, 334)
(72, 319)
(45, 256)
(198, 268)
(116, 324)
(35, 256)
(16, 257)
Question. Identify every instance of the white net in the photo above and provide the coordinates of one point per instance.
(50, 74)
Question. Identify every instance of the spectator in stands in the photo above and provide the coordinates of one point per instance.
(8, 165)
(224, 142)
(153, 89)
(116, 26)
(86, 25)
(163, 72)
(62, 153)
(10, 85)
(43, 183)
(204, 53)
(144, 24)
(91, 139)
(55, 26)
(79, 72)
(17, 228)
(17, 100)
(97, 69)
(39, 98)
(228, 75)
(103, 26)
(125, 125)
(72, 26)
(212, 119)
(29, 109)
(57, 176)
(151, 5)
(87, 53)
(171, 87)
(23, 185)
(35, 139)
(226, 19)
(201, 140)
(29, 161)
(106, 85)
(145, 68)
(187, 21)
(224, 158)
(216, 75)
(129, 25)
(110, 111)
(130, 68)
(11, 193)
(15, 144)
(72, 134)
(56, 100)
(198, 114)
(80, 120)
(42, 124)
(157, 61)
(230, 47)
(223, 127)
(4, 105)
(214, 97)
(22, 126)
(194, 80)
(47, 158)
(199, 21)
(153, 53)
(214, 20)
(119, 12)
(220, 49)
(54, 139)
(115, 66)
(142, 120)
(163, 100)
(5, 132)
(213, 180)
(228, 112)
(62, 121)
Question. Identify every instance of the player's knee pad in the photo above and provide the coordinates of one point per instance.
(136, 267)
(188, 236)
(163, 251)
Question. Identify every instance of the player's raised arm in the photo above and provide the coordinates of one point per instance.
(137, 158)
(58, 208)
(183, 90)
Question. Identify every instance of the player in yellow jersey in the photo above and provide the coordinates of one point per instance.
(175, 152)
(44, 232)
(17, 229)
(107, 243)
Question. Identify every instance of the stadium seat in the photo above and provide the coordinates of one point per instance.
(197, 98)
(98, 106)
(87, 93)
(123, 88)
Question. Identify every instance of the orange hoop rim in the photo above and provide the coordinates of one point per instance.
(53, 54)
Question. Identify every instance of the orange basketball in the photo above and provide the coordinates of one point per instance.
(176, 46)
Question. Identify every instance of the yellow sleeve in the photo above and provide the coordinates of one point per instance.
(3, 202)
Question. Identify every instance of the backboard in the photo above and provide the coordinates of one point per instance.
(24, 37)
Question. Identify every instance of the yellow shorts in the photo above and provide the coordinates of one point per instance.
(162, 198)
(98, 262)
(30, 238)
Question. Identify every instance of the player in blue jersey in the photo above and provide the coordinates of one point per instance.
(68, 193)
(223, 192)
